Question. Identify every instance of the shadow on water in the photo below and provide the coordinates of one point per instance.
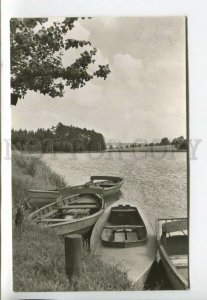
(157, 279)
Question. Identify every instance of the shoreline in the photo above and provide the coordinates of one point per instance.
(31, 173)
(106, 151)
(123, 150)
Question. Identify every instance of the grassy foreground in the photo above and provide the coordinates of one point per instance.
(38, 254)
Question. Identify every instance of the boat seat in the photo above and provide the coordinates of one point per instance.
(124, 235)
(51, 220)
(78, 206)
(174, 226)
(107, 185)
(119, 236)
(132, 236)
(179, 260)
(116, 227)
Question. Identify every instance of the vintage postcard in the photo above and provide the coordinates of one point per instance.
(99, 112)
(100, 155)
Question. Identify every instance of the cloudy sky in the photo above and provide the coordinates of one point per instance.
(144, 97)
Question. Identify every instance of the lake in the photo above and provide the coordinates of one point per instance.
(156, 181)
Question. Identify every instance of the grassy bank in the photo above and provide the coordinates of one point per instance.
(29, 172)
(38, 255)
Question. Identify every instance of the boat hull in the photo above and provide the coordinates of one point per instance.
(108, 186)
(112, 191)
(175, 276)
(79, 227)
(104, 180)
(135, 261)
(39, 198)
(45, 216)
(175, 280)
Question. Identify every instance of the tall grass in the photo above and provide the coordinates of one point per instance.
(39, 265)
(29, 172)
(38, 254)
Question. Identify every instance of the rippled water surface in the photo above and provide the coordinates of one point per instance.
(156, 181)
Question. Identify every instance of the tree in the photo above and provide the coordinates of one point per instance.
(180, 143)
(177, 142)
(184, 145)
(36, 58)
(59, 138)
(165, 141)
(132, 145)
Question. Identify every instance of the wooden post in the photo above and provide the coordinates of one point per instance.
(73, 255)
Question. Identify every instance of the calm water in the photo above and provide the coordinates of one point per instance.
(157, 181)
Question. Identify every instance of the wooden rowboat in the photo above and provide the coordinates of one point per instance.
(74, 214)
(108, 185)
(39, 198)
(124, 237)
(172, 237)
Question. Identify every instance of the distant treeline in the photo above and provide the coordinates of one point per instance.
(180, 143)
(60, 138)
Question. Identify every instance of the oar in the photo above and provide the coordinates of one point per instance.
(78, 206)
(52, 220)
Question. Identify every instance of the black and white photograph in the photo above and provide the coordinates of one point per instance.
(103, 149)
(99, 138)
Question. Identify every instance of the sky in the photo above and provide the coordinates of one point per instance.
(143, 98)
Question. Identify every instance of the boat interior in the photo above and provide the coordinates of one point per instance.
(105, 181)
(105, 184)
(175, 242)
(124, 227)
(77, 206)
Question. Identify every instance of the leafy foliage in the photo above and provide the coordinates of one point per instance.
(37, 49)
(59, 138)
(165, 141)
(180, 143)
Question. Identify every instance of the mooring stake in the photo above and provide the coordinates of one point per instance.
(73, 255)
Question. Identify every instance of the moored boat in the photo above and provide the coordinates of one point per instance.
(172, 237)
(108, 186)
(39, 198)
(73, 214)
(124, 237)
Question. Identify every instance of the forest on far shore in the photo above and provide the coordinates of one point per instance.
(63, 138)
(60, 138)
(179, 143)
